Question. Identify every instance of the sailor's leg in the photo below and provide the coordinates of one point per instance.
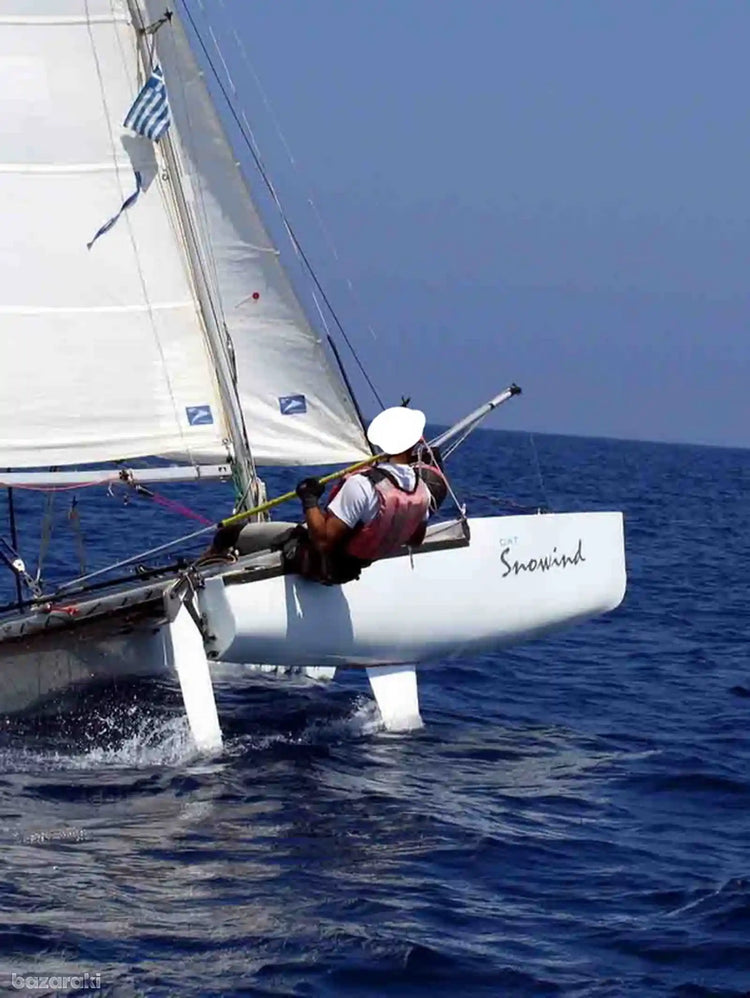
(395, 689)
(184, 651)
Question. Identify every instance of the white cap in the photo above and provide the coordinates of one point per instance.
(397, 429)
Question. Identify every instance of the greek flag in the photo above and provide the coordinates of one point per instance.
(149, 115)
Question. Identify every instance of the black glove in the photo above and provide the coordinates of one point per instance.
(310, 490)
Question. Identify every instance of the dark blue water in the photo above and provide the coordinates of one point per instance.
(573, 820)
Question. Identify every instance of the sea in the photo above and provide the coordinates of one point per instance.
(572, 820)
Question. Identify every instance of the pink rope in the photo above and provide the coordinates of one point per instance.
(177, 507)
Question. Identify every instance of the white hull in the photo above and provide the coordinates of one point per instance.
(519, 577)
(440, 603)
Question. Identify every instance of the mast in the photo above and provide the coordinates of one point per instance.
(297, 406)
(215, 329)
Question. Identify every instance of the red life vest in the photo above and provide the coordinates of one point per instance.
(400, 514)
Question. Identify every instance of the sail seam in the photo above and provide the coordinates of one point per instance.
(61, 21)
(98, 309)
(73, 168)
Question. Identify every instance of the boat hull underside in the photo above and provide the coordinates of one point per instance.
(35, 669)
(520, 577)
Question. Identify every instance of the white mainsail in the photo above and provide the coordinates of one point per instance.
(102, 351)
(297, 407)
(109, 352)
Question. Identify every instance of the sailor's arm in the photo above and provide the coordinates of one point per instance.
(324, 529)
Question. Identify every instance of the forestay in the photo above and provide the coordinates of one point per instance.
(102, 352)
(297, 407)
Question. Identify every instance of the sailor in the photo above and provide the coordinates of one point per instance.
(371, 514)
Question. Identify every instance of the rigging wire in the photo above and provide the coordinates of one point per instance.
(74, 519)
(45, 534)
(540, 476)
(136, 557)
(424, 448)
(247, 138)
(287, 149)
(14, 541)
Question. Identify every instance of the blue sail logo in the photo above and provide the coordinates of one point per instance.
(199, 415)
(291, 405)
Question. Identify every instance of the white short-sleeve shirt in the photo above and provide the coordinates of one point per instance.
(357, 500)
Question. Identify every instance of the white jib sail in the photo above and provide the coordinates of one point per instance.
(297, 407)
(102, 350)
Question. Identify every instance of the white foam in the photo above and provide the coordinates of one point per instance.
(156, 742)
(167, 743)
(364, 720)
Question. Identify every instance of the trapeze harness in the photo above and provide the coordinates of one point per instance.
(400, 515)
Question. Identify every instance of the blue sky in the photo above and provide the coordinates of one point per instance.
(552, 192)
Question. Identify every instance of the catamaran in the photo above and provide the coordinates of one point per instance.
(147, 313)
